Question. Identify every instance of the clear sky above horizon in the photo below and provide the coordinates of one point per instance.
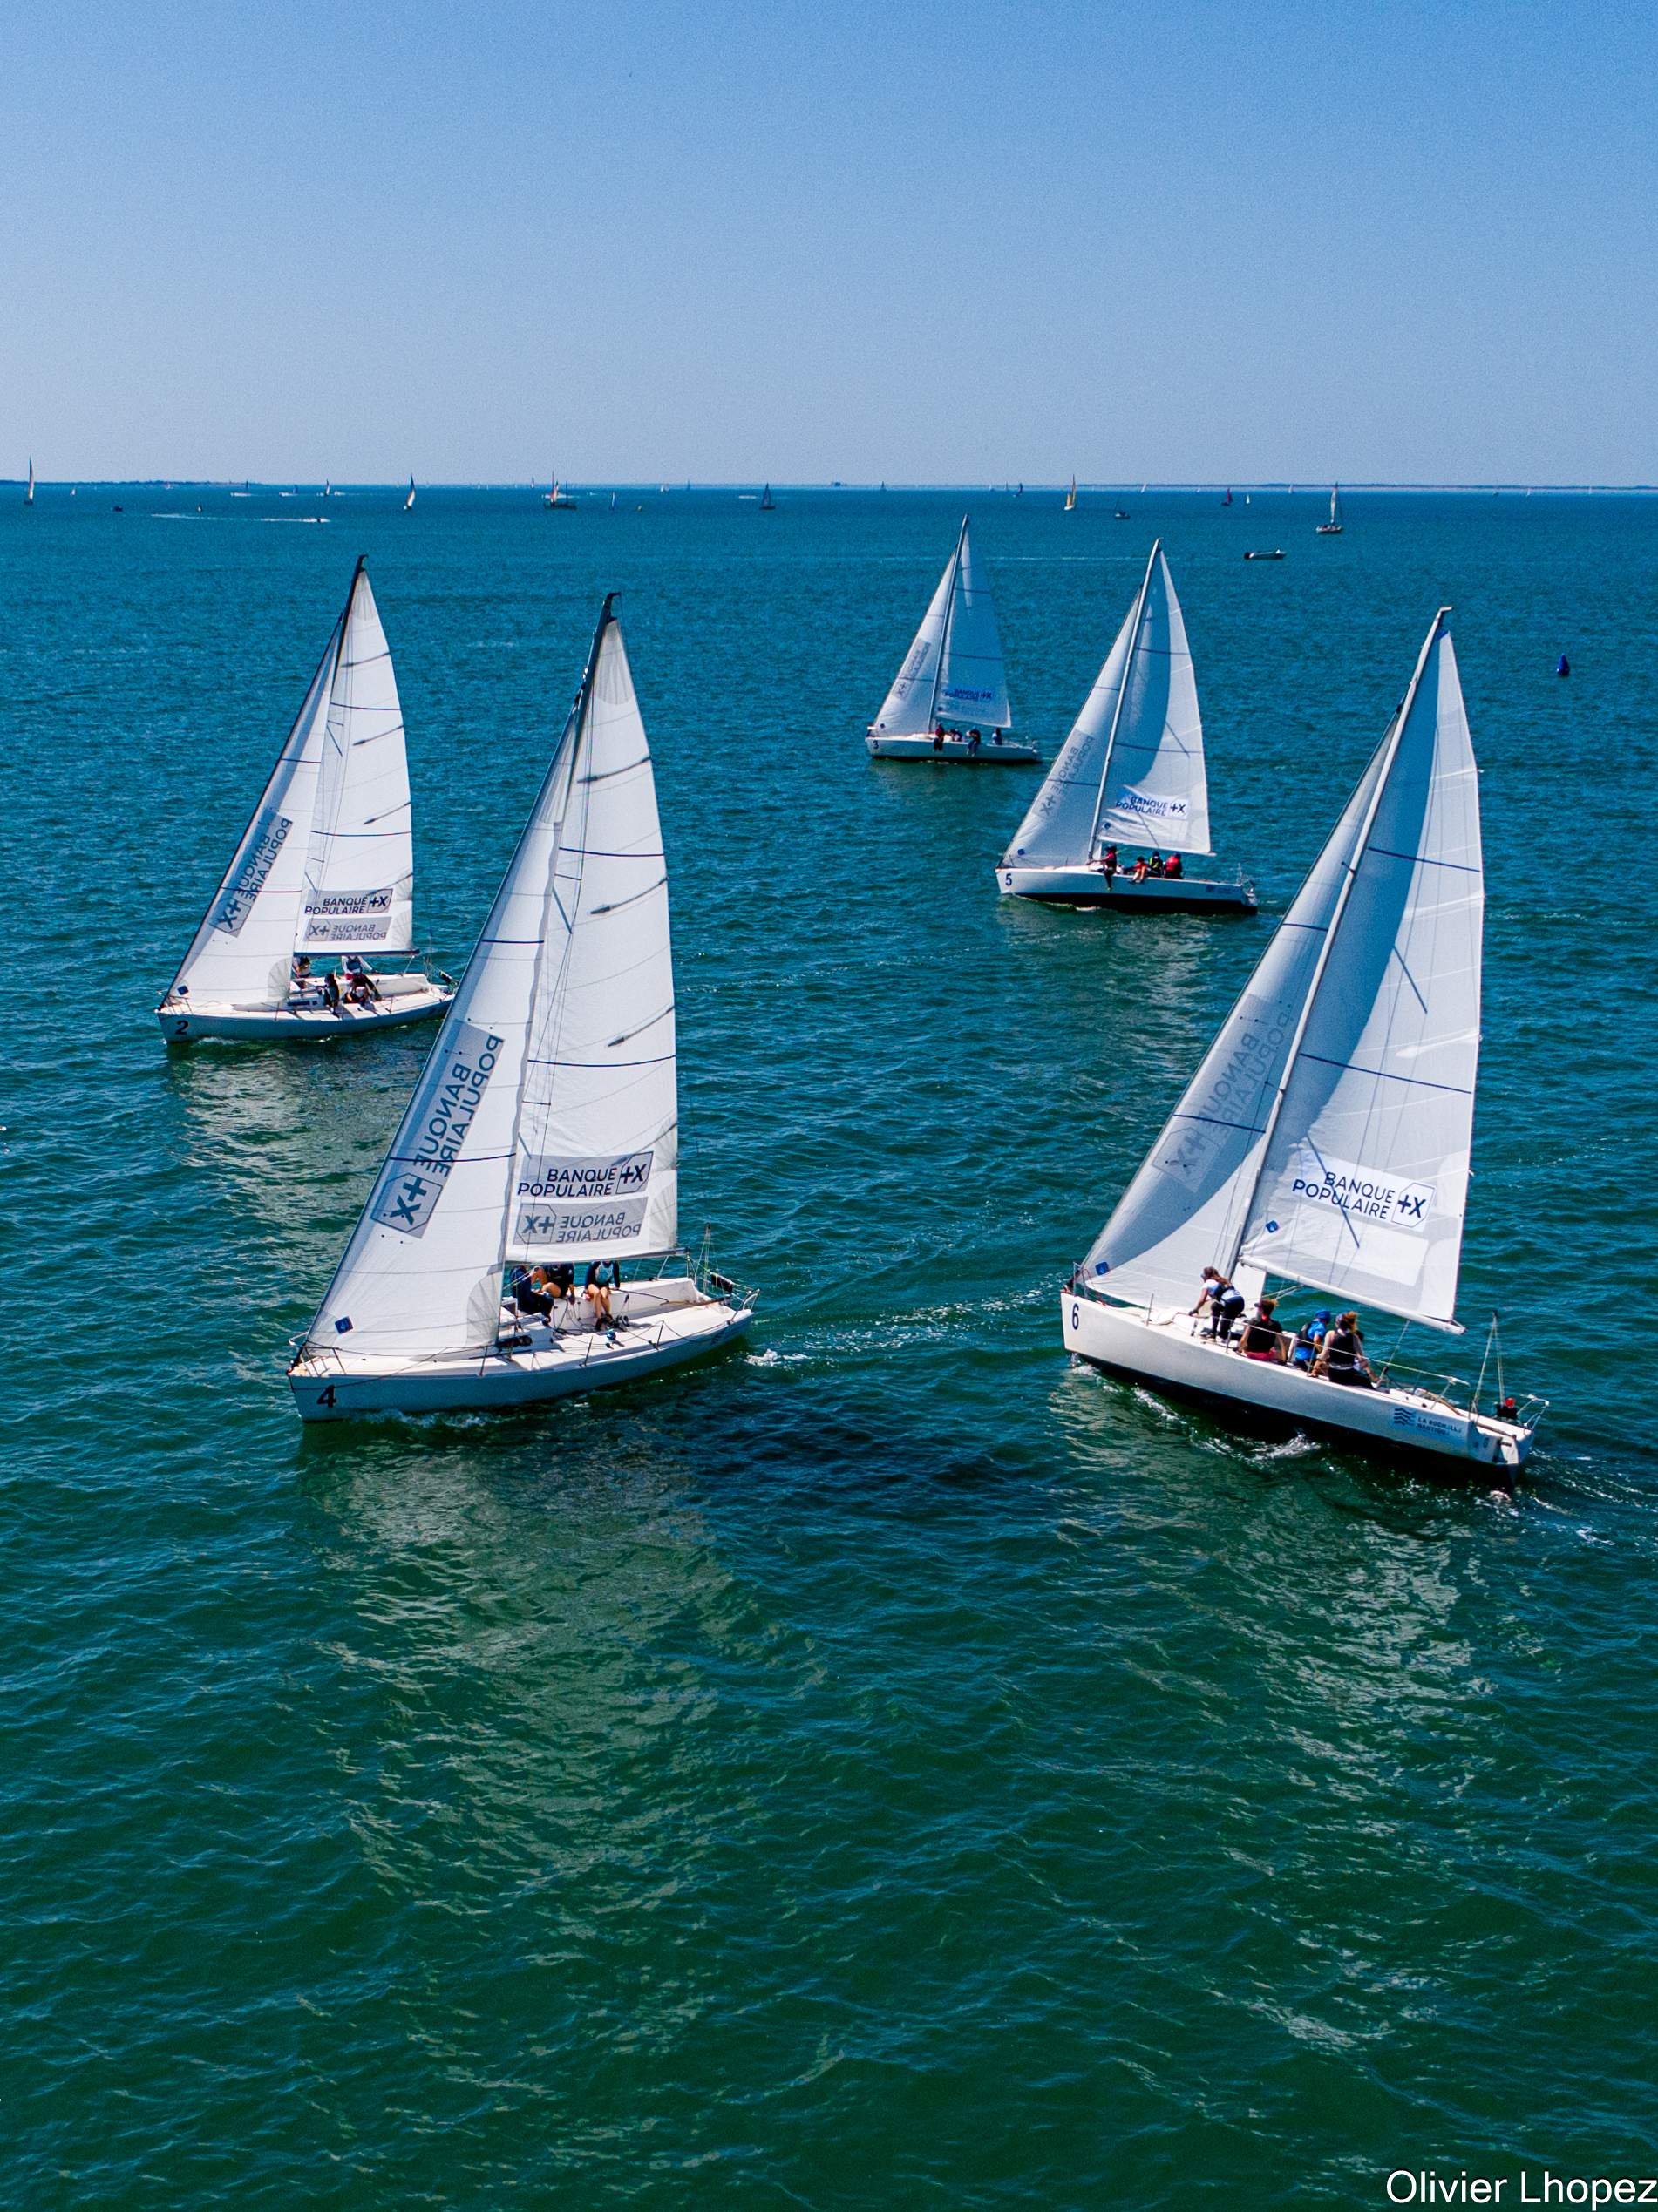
(918, 241)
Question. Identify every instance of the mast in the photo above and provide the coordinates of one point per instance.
(1351, 865)
(949, 619)
(1122, 694)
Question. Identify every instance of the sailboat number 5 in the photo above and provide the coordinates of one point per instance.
(1008, 879)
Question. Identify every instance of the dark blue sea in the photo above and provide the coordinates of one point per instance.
(888, 1767)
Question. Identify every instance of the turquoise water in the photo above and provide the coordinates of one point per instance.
(887, 1767)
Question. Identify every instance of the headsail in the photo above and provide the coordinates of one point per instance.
(1133, 766)
(908, 710)
(242, 953)
(1326, 1137)
(545, 1125)
(359, 873)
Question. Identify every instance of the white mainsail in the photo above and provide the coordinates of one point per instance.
(29, 496)
(1133, 766)
(1326, 1138)
(326, 862)
(545, 1125)
(955, 666)
(359, 873)
(409, 502)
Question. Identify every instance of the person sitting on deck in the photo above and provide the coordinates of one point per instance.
(1264, 1339)
(596, 1291)
(1308, 1340)
(1140, 871)
(1342, 1358)
(562, 1278)
(972, 741)
(355, 968)
(1172, 866)
(533, 1293)
(360, 991)
(938, 739)
(1156, 864)
(331, 991)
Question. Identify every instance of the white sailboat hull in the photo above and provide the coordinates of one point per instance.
(292, 1024)
(1088, 886)
(1164, 1350)
(669, 1323)
(992, 751)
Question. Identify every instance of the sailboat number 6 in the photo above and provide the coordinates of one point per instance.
(1076, 1316)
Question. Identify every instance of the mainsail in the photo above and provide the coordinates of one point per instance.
(545, 1125)
(1133, 766)
(954, 668)
(1326, 1138)
(326, 862)
(359, 872)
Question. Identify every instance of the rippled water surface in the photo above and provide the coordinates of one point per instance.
(887, 1767)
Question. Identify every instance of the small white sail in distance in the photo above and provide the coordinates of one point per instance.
(1326, 1138)
(409, 502)
(29, 496)
(1133, 767)
(326, 862)
(545, 1125)
(954, 668)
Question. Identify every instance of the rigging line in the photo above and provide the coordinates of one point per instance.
(605, 1066)
(1386, 1074)
(592, 853)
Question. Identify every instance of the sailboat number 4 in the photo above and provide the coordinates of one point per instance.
(326, 1397)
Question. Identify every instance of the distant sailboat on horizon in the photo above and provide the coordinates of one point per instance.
(29, 496)
(559, 497)
(1333, 527)
(409, 502)
(768, 505)
(1070, 497)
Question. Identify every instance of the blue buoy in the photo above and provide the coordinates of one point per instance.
(1564, 668)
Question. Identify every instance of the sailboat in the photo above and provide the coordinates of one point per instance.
(559, 499)
(952, 689)
(1227, 502)
(1324, 1142)
(544, 1128)
(29, 496)
(768, 505)
(1070, 497)
(409, 502)
(1333, 527)
(1132, 771)
(325, 867)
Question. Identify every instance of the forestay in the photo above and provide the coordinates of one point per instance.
(1326, 1137)
(545, 1125)
(954, 670)
(359, 874)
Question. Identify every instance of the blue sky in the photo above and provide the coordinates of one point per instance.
(921, 242)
